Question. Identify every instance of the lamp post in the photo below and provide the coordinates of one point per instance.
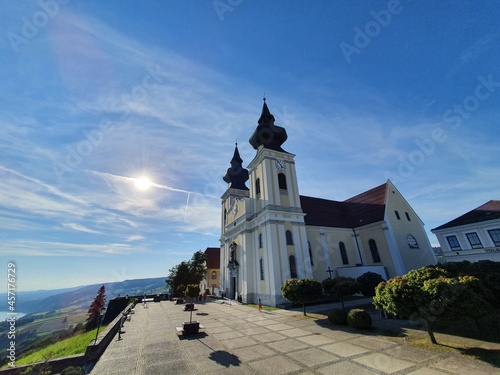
(102, 310)
(122, 320)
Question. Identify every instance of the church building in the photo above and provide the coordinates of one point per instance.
(271, 233)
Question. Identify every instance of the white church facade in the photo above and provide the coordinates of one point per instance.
(270, 233)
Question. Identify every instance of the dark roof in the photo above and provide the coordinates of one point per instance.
(213, 257)
(488, 211)
(362, 209)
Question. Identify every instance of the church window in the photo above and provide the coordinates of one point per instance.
(453, 242)
(310, 253)
(495, 236)
(282, 181)
(374, 250)
(293, 267)
(214, 275)
(289, 239)
(397, 215)
(411, 241)
(474, 240)
(261, 264)
(343, 253)
(225, 215)
(257, 186)
(407, 216)
(260, 241)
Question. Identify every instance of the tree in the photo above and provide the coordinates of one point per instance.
(94, 313)
(302, 291)
(341, 287)
(430, 294)
(192, 291)
(190, 272)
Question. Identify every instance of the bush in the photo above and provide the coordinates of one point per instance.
(359, 319)
(368, 282)
(338, 317)
(341, 287)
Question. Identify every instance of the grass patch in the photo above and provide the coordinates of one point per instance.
(71, 346)
(491, 356)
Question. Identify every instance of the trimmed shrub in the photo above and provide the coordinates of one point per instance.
(368, 282)
(338, 317)
(359, 319)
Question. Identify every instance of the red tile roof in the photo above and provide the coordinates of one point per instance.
(488, 211)
(212, 255)
(365, 208)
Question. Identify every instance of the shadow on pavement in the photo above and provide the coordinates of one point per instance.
(224, 358)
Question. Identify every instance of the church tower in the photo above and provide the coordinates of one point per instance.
(233, 209)
(263, 231)
(278, 226)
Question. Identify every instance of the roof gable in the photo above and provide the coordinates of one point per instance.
(212, 255)
(362, 209)
(488, 211)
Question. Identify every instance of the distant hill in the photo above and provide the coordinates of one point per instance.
(82, 297)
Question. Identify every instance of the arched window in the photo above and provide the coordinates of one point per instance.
(310, 253)
(214, 275)
(289, 239)
(343, 253)
(293, 267)
(260, 241)
(282, 181)
(373, 248)
(261, 264)
(257, 186)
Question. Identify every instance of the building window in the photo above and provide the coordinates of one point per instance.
(214, 275)
(495, 236)
(343, 253)
(453, 242)
(310, 253)
(260, 241)
(412, 242)
(474, 240)
(374, 250)
(225, 215)
(257, 186)
(289, 239)
(282, 181)
(293, 267)
(397, 215)
(261, 264)
(407, 216)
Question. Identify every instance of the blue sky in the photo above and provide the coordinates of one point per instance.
(96, 94)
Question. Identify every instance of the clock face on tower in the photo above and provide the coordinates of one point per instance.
(280, 164)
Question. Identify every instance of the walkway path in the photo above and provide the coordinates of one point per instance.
(240, 340)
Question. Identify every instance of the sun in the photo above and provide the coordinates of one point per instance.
(142, 183)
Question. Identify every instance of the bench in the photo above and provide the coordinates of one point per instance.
(181, 329)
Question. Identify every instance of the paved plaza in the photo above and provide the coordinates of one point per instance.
(239, 340)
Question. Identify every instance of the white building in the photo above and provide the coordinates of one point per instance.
(270, 233)
(474, 236)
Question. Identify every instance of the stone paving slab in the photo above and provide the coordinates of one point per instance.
(240, 340)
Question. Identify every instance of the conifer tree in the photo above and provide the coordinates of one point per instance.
(94, 313)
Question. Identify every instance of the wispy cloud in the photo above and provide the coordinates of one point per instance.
(80, 228)
(134, 238)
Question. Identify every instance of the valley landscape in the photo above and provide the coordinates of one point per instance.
(52, 315)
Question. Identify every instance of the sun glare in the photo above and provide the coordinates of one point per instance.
(142, 183)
